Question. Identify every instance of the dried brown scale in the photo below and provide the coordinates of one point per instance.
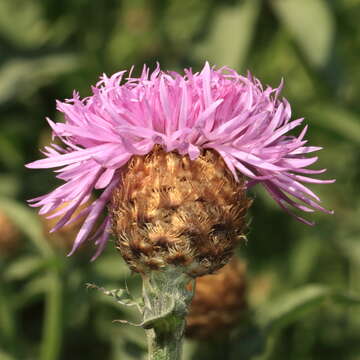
(219, 302)
(169, 209)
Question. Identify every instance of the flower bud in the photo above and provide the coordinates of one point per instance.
(9, 235)
(219, 302)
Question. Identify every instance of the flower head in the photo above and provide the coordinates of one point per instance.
(220, 110)
(219, 302)
(169, 210)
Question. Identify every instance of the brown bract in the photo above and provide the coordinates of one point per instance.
(9, 235)
(170, 210)
(219, 302)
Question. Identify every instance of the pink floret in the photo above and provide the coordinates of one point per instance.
(216, 109)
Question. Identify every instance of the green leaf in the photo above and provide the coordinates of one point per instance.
(10, 154)
(22, 23)
(337, 119)
(163, 319)
(231, 34)
(312, 26)
(346, 299)
(23, 76)
(5, 356)
(184, 19)
(291, 306)
(33, 288)
(351, 248)
(304, 257)
(122, 296)
(9, 185)
(23, 267)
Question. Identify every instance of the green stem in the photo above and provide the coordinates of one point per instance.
(52, 330)
(165, 345)
(166, 300)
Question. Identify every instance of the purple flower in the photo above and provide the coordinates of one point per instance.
(218, 109)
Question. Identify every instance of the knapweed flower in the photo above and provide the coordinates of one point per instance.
(9, 236)
(219, 302)
(201, 120)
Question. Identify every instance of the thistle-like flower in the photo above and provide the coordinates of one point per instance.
(173, 156)
(219, 302)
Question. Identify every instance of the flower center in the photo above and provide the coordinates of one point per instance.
(170, 210)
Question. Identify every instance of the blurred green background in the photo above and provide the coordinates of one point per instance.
(303, 282)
